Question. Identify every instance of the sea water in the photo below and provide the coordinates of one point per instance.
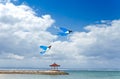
(72, 75)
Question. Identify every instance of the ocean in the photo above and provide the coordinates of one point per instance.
(73, 74)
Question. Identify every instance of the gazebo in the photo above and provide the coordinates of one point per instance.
(54, 66)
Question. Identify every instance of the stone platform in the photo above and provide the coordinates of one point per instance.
(48, 72)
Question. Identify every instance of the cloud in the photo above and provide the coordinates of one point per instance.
(107, 40)
(21, 32)
(4, 1)
(7, 1)
(98, 46)
(14, 56)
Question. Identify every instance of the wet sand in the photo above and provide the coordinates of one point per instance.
(48, 72)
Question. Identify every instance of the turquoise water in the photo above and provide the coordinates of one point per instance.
(72, 75)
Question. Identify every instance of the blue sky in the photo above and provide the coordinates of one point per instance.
(27, 24)
(76, 13)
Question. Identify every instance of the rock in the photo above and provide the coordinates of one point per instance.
(49, 72)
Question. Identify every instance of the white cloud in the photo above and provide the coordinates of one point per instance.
(100, 45)
(14, 56)
(4, 1)
(21, 32)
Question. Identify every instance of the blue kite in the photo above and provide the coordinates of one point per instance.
(64, 31)
(44, 49)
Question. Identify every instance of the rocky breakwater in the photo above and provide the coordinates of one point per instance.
(48, 72)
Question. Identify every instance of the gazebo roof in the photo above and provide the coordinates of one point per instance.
(54, 65)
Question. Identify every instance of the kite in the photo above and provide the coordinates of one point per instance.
(64, 31)
(44, 49)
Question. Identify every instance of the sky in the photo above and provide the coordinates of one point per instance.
(27, 24)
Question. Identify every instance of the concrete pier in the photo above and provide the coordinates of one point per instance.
(48, 72)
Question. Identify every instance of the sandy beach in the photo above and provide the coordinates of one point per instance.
(47, 72)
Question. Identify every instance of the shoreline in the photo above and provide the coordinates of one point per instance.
(41, 72)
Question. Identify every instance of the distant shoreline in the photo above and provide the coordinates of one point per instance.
(42, 72)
